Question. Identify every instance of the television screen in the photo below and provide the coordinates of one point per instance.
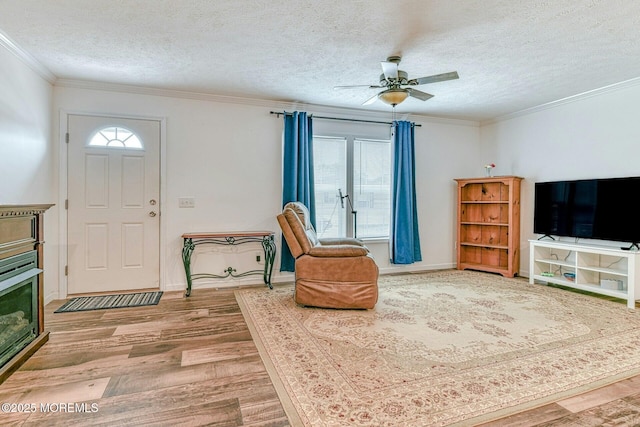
(590, 208)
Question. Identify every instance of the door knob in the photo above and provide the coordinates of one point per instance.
(152, 202)
(152, 214)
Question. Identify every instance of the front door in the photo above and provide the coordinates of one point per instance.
(113, 204)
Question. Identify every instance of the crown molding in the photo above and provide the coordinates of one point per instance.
(257, 102)
(418, 118)
(25, 57)
(349, 112)
(153, 91)
(568, 100)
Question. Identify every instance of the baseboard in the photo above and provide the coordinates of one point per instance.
(413, 268)
(229, 283)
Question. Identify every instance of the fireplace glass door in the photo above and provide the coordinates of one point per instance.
(18, 304)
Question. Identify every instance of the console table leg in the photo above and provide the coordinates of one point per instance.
(269, 246)
(187, 250)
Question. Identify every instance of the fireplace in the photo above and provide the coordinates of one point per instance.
(21, 285)
(18, 304)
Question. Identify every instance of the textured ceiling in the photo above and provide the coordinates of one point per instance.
(510, 55)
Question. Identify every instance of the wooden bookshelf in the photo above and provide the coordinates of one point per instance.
(488, 224)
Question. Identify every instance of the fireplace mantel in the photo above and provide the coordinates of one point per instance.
(21, 238)
(22, 210)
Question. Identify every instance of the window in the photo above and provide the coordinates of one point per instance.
(115, 137)
(361, 169)
(330, 175)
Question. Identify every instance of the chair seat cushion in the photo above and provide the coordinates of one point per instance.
(341, 241)
(338, 251)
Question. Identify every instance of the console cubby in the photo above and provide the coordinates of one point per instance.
(600, 269)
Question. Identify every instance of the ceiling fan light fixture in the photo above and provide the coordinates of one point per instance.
(393, 96)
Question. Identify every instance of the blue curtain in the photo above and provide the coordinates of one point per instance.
(297, 175)
(405, 239)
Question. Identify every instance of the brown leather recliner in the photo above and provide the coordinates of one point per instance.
(330, 273)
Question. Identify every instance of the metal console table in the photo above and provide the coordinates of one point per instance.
(191, 240)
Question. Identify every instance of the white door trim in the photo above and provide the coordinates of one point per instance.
(62, 174)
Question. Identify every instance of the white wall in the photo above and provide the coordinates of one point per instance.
(594, 136)
(228, 156)
(27, 154)
(444, 151)
(26, 158)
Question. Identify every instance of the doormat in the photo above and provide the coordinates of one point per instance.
(103, 302)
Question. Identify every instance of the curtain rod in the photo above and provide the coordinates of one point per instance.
(280, 113)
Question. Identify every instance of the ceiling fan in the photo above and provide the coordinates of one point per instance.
(394, 80)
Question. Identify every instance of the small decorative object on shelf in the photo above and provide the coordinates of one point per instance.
(489, 168)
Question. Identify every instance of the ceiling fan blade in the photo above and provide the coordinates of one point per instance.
(435, 78)
(423, 96)
(371, 100)
(357, 86)
(390, 70)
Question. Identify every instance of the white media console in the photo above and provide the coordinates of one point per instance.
(600, 269)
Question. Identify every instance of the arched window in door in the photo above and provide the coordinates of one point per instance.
(116, 137)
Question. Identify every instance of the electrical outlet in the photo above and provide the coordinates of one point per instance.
(186, 202)
(258, 257)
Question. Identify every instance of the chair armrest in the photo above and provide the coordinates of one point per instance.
(341, 241)
(336, 251)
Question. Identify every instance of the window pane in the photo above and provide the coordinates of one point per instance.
(330, 172)
(115, 137)
(372, 187)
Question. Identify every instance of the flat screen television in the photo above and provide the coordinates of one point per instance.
(601, 209)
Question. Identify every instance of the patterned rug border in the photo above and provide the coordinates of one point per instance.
(278, 384)
(106, 302)
(512, 410)
(295, 418)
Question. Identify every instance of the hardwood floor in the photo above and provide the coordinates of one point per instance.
(192, 362)
(183, 362)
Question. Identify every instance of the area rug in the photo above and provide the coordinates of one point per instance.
(110, 301)
(441, 348)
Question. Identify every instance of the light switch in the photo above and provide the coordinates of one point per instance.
(186, 202)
